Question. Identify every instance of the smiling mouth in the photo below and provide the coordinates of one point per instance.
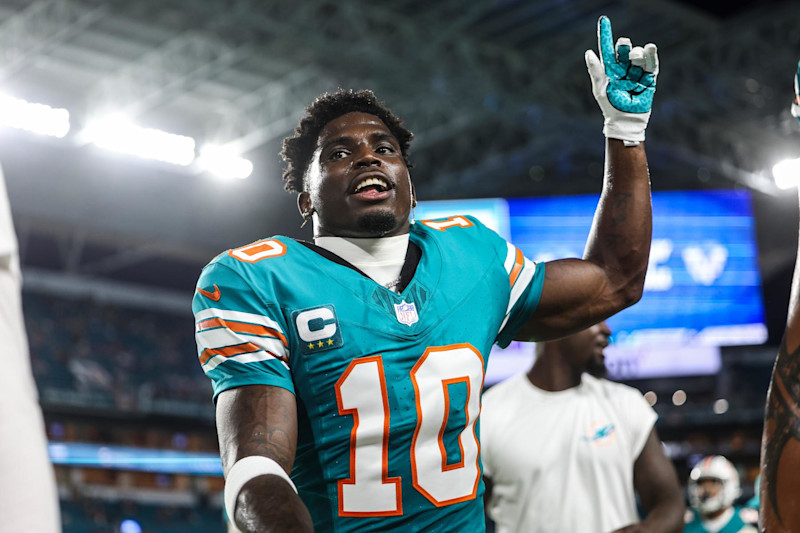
(372, 184)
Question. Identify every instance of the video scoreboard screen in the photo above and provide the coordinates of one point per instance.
(703, 287)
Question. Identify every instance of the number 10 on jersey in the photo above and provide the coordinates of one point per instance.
(361, 392)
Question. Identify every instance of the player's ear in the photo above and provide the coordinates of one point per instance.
(413, 192)
(304, 204)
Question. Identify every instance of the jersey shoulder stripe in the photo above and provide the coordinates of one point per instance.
(241, 340)
(233, 335)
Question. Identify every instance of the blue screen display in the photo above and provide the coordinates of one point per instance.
(703, 287)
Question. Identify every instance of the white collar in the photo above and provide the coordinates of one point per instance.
(379, 251)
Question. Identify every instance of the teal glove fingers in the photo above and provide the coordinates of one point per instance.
(631, 82)
(623, 83)
(605, 43)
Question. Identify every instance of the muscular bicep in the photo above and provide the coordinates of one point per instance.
(576, 294)
(257, 420)
(657, 484)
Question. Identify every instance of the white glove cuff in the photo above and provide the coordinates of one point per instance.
(626, 127)
(243, 471)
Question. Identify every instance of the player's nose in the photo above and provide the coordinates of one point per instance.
(368, 160)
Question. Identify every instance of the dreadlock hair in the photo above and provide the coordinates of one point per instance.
(298, 149)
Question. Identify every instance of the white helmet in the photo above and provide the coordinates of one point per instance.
(718, 468)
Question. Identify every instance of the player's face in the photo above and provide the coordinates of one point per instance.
(357, 182)
(587, 349)
(709, 488)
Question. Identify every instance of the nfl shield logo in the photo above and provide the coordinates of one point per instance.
(406, 313)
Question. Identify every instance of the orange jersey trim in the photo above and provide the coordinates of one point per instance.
(519, 262)
(414, 467)
(385, 479)
(228, 351)
(445, 384)
(242, 327)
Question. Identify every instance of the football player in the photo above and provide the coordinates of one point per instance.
(713, 489)
(356, 362)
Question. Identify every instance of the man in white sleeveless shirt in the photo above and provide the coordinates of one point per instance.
(563, 448)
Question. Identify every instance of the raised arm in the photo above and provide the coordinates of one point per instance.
(260, 421)
(780, 446)
(657, 485)
(580, 292)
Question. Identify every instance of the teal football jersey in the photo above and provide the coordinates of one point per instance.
(387, 385)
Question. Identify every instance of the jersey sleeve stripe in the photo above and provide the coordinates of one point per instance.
(523, 280)
(228, 351)
(238, 316)
(511, 256)
(519, 261)
(223, 338)
(242, 327)
(250, 357)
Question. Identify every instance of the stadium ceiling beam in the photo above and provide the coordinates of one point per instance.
(267, 113)
(72, 239)
(41, 26)
(703, 66)
(689, 17)
(121, 259)
(326, 26)
(163, 73)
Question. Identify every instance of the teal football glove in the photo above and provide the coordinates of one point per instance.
(796, 103)
(623, 83)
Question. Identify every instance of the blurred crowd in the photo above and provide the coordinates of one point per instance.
(109, 355)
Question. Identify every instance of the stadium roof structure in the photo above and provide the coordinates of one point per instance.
(496, 92)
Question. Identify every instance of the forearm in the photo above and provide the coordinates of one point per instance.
(665, 517)
(619, 241)
(262, 421)
(780, 452)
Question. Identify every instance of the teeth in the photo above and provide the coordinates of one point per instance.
(372, 181)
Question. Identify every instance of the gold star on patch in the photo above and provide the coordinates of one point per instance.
(320, 345)
(310, 345)
(330, 342)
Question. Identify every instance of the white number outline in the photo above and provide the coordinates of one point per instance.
(385, 479)
(467, 449)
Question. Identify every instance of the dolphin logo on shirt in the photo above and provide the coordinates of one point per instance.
(601, 435)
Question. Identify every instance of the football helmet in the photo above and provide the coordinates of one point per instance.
(717, 468)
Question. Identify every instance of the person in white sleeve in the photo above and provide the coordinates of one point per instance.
(564, 449)
(28, 497)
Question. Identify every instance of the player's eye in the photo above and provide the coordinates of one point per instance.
(385, 149)
(338, 154)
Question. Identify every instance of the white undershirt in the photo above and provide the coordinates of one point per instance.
(381, 258)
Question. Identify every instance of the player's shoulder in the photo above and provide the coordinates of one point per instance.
(460, 234)
(454, 226)
(260, 254)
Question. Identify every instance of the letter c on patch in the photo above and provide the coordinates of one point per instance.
(309, 322)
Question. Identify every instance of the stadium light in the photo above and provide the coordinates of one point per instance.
(36, 118)
(787, 173)
(224, 163)
(118, 134)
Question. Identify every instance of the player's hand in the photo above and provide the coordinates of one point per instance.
(623, 83)
(796, 103)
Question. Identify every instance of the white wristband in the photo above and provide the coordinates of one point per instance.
(243, 471)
